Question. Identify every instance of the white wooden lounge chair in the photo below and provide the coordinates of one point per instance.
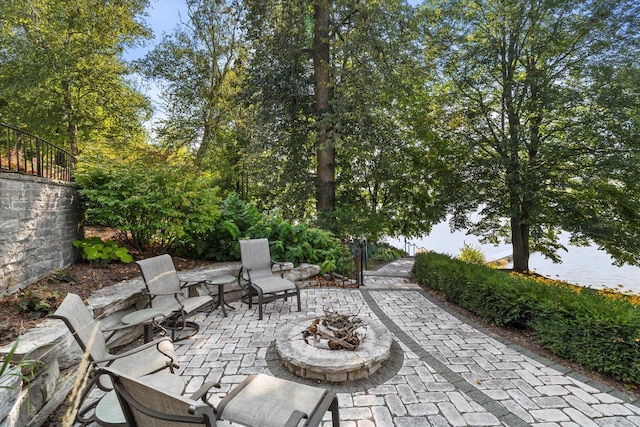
(257, 277)
(166, 290)
(149, 358)
(258, 401)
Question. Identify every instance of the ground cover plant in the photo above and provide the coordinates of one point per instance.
(597, 329)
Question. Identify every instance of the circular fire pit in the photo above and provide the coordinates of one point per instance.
(312, 361)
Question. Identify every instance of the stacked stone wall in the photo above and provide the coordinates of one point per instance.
(38, 221)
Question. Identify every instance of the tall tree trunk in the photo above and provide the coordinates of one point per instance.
(520, 244)
(72, 125)
(326, 152)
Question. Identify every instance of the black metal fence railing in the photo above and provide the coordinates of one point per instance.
(22, 152)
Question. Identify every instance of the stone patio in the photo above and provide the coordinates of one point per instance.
(442, 371)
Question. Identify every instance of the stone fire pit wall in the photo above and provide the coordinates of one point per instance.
(310, 362)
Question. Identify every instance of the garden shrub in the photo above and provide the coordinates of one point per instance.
(384, 252)
(472, 255)
(95, 250)
(600, 330)
(151, 197)
(219, 241)
(300, 243)
(295, 243)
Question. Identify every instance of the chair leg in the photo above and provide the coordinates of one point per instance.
(81, 415)
(178, 326)
(335, 412)
(260, 304)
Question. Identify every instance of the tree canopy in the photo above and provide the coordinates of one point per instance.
(326, 80)
(365, 117)
(61, 72)
(536, 120)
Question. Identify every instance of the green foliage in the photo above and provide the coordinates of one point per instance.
(300, 243)
(289, 242)
(7, 360)
(384, 252)
(197, 66)
(599, 330)
(472, 255)
(219, 241)
(63, 77)
(38, 301)
(154, 198)
(95, 250)
(25, 369)
(525, 116)
(381, 186)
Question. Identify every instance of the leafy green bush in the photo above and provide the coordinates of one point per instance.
(598, 329)
(289, 242)
(472, 255)
(153, 198)
(301, 243)
(95, 250)
(384, 252)
(219, 241)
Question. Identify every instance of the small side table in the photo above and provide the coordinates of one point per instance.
(108, 411)
(147, 317)
(220, 281)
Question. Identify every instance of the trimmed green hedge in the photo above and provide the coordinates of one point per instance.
(600, 330)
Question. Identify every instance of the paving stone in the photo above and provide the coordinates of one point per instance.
(355, 413)
(368, 400)
(580, 418)
(382, 416)
(451, 414)
(481, 419)
(549, 415)
(419, 409)
(446, 371)
(396, 407)
(411, 422)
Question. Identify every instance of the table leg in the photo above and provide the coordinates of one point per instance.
(148, 332)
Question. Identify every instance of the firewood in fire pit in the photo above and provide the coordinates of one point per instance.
(340, 331)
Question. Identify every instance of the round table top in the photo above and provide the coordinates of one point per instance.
(221, 280)
(108, 410)
(144, 315)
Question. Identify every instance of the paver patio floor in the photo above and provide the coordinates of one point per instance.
(443, 371)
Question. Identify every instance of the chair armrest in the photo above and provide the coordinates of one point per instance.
(188, 283)
(117, 328)
(294, 418)
(114, 329)
(241, 274)
(147, 359)
(159, 294)
(133, 351)
(202, 392)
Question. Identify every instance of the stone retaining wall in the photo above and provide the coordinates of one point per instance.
(38, 222)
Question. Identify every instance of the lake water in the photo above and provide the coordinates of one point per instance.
(586, 266)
